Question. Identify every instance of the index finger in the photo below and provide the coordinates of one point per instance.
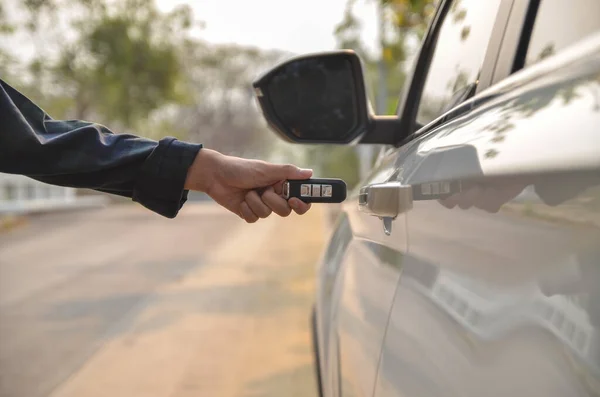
(299, 206)
(275, 172)
(278, 187)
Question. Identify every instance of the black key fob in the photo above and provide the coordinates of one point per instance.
(315, 190)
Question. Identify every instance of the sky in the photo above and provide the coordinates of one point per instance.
(298, 26)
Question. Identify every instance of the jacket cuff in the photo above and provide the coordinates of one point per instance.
(160, 183)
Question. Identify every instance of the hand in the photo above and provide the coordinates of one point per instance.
(250, 189)
(490, 197)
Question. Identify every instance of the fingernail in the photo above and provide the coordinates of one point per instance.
(306, 169)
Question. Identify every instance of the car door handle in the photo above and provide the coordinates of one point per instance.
(385, 200)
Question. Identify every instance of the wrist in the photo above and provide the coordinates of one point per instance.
(202, 173)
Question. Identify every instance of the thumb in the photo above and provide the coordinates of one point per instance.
(288, 171)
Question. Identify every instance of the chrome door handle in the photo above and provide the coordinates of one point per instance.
(385, 200)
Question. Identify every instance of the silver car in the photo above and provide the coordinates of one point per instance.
(468, 262)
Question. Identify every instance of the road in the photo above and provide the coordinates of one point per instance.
(121, 302)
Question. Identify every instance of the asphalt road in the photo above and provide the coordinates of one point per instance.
(121, 302)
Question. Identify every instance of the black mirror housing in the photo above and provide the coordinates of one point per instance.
(316, 98)
(321, 98)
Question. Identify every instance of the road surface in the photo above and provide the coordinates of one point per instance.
(121, 302)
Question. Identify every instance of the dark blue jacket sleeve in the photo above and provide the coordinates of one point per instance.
(81, 154)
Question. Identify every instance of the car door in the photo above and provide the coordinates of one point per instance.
(366, 282)
(500, 287)
(355, 295)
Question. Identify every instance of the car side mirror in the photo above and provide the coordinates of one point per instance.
(321, 98)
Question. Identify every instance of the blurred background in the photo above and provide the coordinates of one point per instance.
(101, 297)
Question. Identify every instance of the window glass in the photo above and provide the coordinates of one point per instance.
(458, 55)
(560, 23)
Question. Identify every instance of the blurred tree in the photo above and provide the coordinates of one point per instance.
(124, 63)
(6, 26)
(221, 111)
(402, 26)
(121, 65)
(130, 66)
(7, 60)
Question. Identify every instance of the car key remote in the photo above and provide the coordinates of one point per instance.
(315, 190)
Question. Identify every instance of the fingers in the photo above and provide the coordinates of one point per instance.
(299, 206)
(259, 174)
(278, 204)
(279, 172)
(449, 202)
(470, 197)
(490, 199)
(247, 214)
(256, 204)
(278, 187)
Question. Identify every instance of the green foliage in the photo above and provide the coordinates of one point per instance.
(334, 161)
(348, 32)
(132, 74)
(5, 26)
(402, 22)
(221, 110)
(342, 162)
(122, 64)
(127, 65)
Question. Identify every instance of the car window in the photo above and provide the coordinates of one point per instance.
(458, 56)
(560, 23)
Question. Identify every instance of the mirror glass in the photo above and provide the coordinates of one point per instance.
(315, 98)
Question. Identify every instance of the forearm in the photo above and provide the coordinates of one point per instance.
(88, 155)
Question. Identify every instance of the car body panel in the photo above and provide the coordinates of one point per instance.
(491, 290)
(356, 295)
(500, 288)
(367, 287)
